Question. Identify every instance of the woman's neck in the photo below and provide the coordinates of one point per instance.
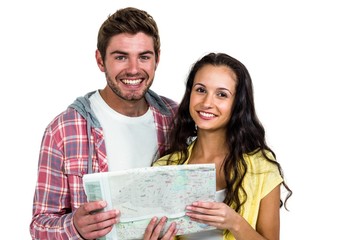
(210, 146)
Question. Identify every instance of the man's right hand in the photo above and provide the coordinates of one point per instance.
(92, 222)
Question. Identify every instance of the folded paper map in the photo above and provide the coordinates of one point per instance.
(143, 193)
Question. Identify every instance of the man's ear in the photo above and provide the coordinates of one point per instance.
(157, 60)
(99, 61)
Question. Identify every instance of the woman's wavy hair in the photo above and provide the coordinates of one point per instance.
(244, 135)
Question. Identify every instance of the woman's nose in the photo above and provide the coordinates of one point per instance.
(207, 101)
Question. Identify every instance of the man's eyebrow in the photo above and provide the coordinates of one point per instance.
(147, 52)
(126, 53)
(118, 52)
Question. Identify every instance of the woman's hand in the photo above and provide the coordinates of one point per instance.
(153, 230)
(215, 214)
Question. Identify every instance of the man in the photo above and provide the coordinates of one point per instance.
(119, 127)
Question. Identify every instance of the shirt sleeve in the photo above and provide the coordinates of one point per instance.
(52, 209)
(272, 178)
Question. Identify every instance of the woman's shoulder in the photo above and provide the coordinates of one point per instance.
(174, 158)
(169, 159)
(257, 162)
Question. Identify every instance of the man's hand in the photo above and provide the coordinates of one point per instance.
(92, 222)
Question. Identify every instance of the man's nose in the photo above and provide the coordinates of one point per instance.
(133, 66)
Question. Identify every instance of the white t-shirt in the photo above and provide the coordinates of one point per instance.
(216, 234)
(131, 142)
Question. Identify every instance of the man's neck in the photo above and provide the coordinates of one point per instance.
(133, 108)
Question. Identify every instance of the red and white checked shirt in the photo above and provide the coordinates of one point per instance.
(73, 141)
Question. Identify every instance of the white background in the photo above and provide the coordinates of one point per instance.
(303, 57)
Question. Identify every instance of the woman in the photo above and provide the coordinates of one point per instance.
(217, 123)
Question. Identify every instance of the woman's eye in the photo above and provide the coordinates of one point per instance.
(200, 89)
(222, 94)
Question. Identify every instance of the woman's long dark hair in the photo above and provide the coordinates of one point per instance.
(244, 135)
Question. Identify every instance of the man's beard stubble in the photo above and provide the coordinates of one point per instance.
(129, 97)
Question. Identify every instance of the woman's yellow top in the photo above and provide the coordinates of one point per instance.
(261, 178)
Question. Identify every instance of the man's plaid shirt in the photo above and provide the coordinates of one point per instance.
(72, 139)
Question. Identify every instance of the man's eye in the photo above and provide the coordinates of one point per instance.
(144, 57)
(120, 57)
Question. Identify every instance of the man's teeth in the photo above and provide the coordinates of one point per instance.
(131, 82)
(207, 114)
